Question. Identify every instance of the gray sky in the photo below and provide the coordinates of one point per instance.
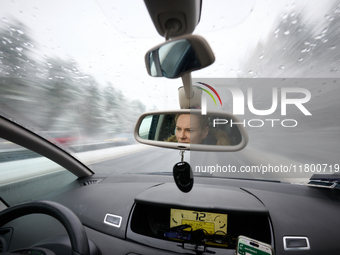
(110, 38)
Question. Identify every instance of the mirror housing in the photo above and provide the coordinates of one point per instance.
(179, 56)
(217, 133)
(186, 13)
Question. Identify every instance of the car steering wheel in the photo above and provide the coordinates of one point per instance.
(72, 224)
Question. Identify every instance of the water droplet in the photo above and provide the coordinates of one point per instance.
(261, 57)
(294, 21)
(300, 59)
(318, 37)
(281, 67)
(277, 31)
(332, 47)
(286, 32)
(8, 40)
(329, 17)
(324, 31)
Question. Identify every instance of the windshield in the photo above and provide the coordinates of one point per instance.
(74, 73)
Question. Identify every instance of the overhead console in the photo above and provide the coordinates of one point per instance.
(165, 218)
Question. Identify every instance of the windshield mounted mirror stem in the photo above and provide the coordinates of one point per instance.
(186, 79)
(172, 26)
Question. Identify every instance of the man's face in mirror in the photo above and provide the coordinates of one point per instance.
(190, 130)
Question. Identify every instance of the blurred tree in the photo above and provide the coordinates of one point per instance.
(51, 94)
(16, 48)
(19, 81)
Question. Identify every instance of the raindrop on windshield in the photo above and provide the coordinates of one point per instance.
(281, 67)
(329, 17)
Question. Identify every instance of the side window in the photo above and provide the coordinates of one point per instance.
(144, 128)
(26, 175)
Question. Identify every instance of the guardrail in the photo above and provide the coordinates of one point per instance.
(22, 153)
(20, 170)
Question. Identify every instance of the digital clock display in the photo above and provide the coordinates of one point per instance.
(212, 223)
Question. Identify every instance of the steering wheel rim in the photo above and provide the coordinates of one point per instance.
(64, 215)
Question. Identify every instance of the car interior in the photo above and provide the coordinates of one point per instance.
(80, 211)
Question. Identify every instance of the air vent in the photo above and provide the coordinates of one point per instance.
(5, 236)
(113, 220)
(90, 182)
(296, 243)
(2, 244)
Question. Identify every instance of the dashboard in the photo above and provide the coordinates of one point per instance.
(206, 219)
(147, 214)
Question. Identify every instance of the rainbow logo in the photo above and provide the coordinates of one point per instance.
(212, 89)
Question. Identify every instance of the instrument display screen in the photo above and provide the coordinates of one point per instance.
(212, 223)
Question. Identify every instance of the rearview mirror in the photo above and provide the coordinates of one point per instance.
(176, 57)
(188, 129)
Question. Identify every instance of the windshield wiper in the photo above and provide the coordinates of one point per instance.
(331, 181)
